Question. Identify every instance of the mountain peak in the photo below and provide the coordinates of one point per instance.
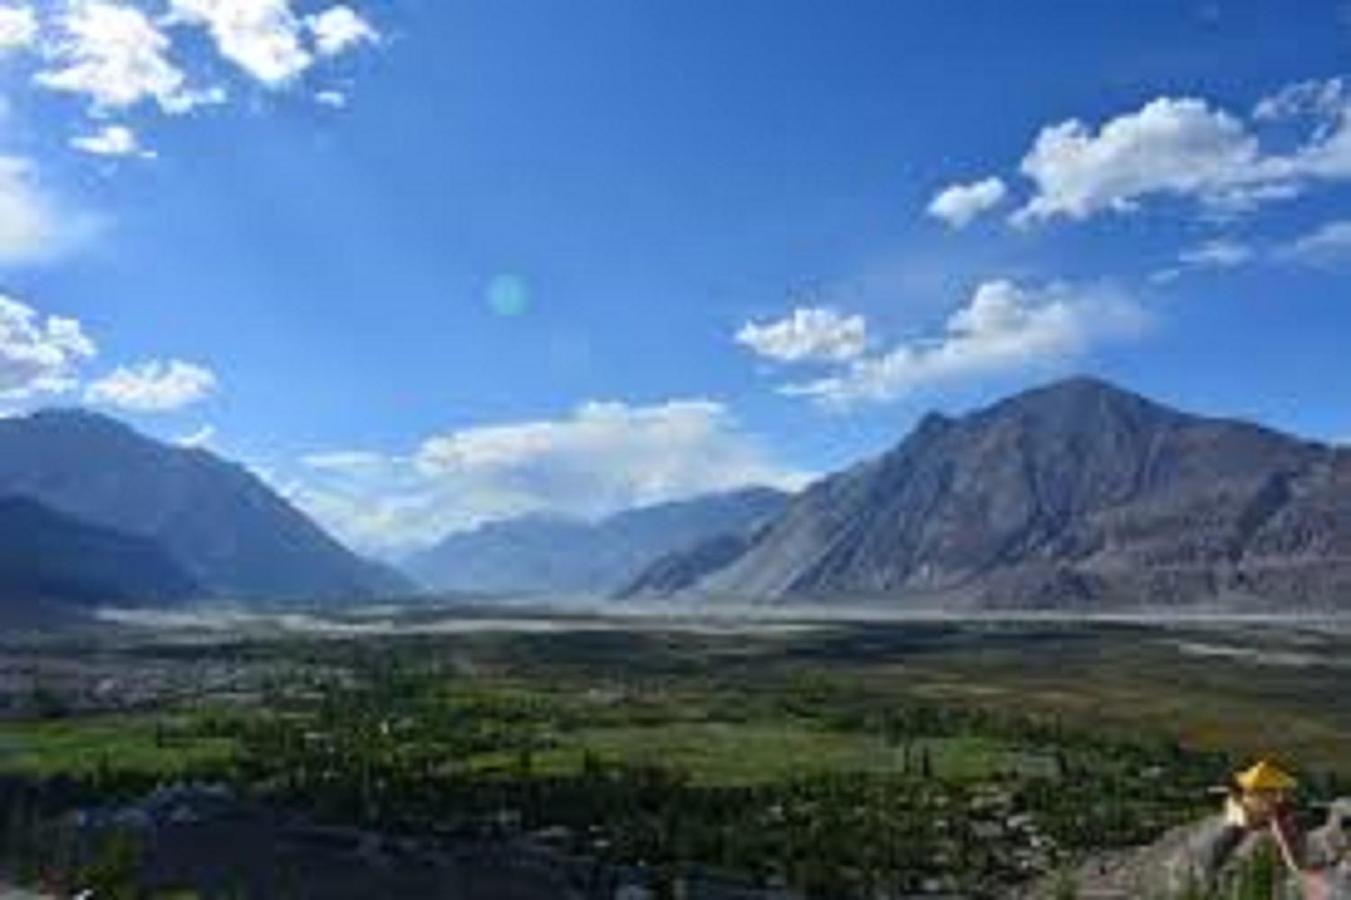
(1075, 491)
(1074, 390)
(1077, 404)
(76, 416)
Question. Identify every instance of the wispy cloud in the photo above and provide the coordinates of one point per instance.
(1328, 245)
(153, 386)
(1218, 253)
(36, 226)
(112, 141)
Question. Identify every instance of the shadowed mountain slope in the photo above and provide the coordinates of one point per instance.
(229, 532)
(50, 560)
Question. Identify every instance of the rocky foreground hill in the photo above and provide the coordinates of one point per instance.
(1074, 496)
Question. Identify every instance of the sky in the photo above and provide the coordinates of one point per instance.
(427, 263)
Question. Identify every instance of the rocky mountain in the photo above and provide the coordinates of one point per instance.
(681, 570)
(49, 561)
(230, 533)
(1075, 495)
(536, 554)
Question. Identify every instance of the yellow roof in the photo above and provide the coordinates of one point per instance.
(1265, 776)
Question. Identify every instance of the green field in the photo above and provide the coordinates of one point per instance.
(156, 745)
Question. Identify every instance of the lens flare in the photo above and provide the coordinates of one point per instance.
(508, 295)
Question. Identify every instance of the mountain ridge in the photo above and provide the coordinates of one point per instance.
(540, 553)
(230, 532)
(1075, 493)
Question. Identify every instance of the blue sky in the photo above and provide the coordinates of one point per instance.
(427, 263)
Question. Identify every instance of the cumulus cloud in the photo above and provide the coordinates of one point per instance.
(267, 39)
(1184, 148)
(38, 354)
(1181, 147)
(808, 333)
(153, 386)
(338, 29)
(603, 457)
(116, 55)
(113, 55)
(112, 140)
(1003, 327)
(262, 37)
(959, 204)
(18, 27)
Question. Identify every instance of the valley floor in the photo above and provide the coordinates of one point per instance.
(826, 759)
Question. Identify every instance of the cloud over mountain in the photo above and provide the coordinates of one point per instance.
(1004, 326)
(600, 458)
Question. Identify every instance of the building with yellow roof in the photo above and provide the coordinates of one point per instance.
(1265, 776)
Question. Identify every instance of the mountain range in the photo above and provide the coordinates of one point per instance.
(539, 554)
(1075, 496)
(1078, 495)
(221, 528)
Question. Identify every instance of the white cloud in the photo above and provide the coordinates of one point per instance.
(601, 458)
(1328, 245)
(262, 37)
(153, 386)
(1187, 149)
(1181, 147)
(959, 204)
(345, 461)
(809, 333)
(32, 228)
(18, 27)
(202, 437)
(38, 354)
(112, 140)
(116, 57)
(1320, 100)
(340, 28)
(1003, 327)
(331, 98)
(1219, 253)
